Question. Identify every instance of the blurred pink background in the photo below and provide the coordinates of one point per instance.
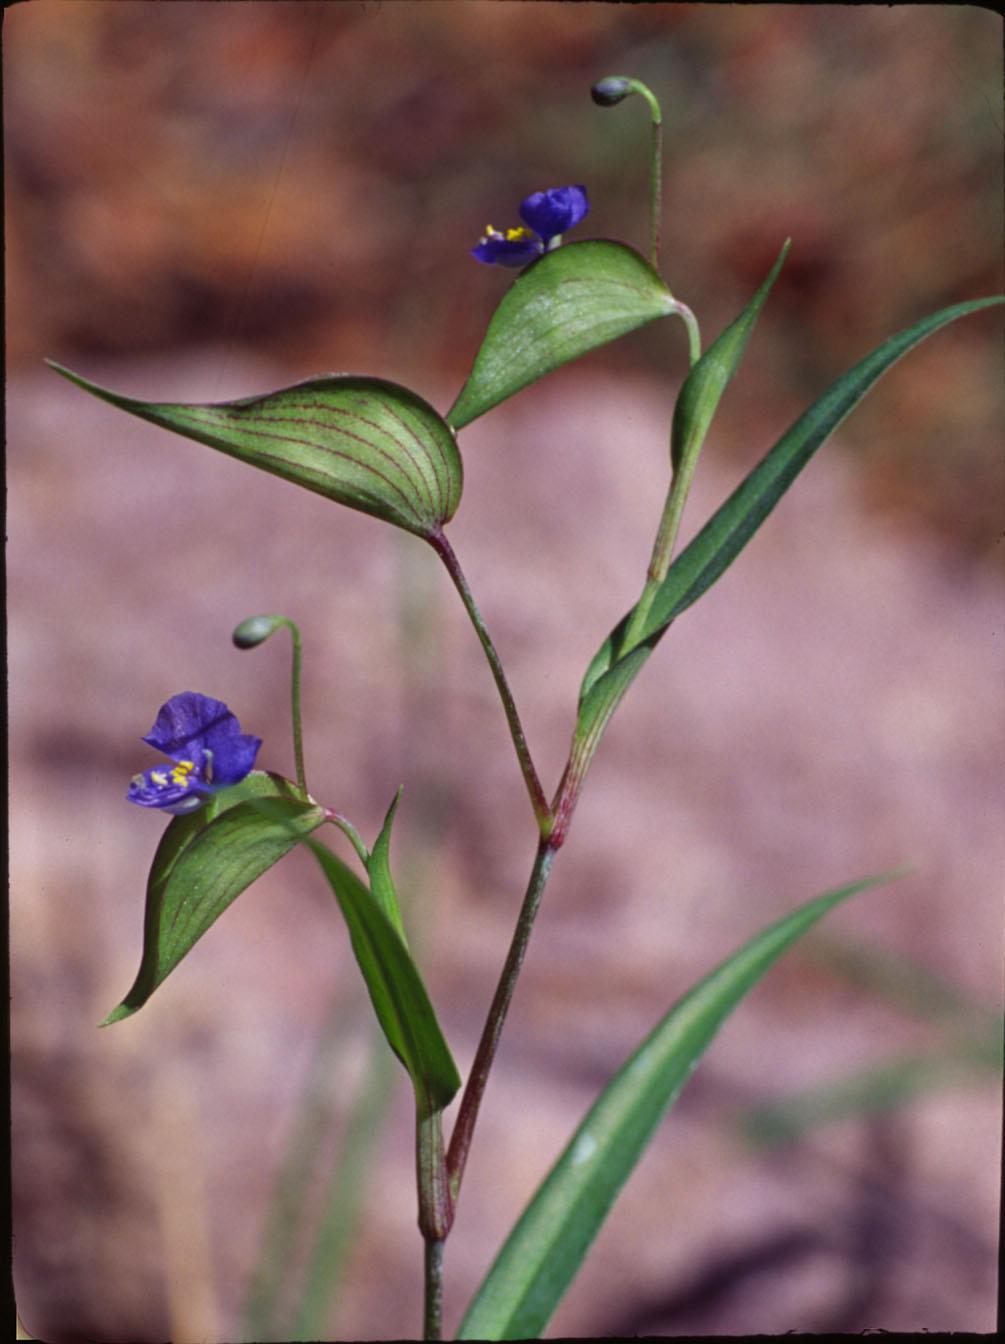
(205, 201)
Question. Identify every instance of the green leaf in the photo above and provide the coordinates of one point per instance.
(378, 868)
(569, 301)
(399, 997)
(702, 391)
(543, 1252)
(723, 537)
(364, 442)
(696, 405)
(204, 861)
(602, 699)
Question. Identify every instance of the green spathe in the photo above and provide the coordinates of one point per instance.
(364, 442)
(204, 861)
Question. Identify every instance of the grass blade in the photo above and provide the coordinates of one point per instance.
(546, 1247)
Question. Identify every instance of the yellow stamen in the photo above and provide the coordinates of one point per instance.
(159, 777)
(517, 235)
(181, 772)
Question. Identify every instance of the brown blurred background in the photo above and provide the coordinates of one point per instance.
(209, 200)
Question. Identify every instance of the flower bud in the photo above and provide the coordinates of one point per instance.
(608, 92)
(256, 630)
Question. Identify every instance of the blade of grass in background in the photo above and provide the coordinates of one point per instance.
(901, 981)
(266, 1314)
(977, 1059)
(351, 1171)
(972, 1054)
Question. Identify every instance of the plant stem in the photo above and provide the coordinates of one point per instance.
(298, 725)
(435, 1212)
(680, 482)
(693, 334)
(539, 802)
(655, 180)
(432, 1314)
(350, 832)
(673, 509)
(460, 1139)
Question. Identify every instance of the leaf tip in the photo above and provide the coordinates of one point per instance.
(61, 369)
(117, 1015)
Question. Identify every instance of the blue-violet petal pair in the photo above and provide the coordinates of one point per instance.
(545, 215)
(209, 751)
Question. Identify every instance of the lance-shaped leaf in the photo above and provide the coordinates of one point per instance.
(364, 442)
(396, 990)
(573, 299)
(204, 861)
(378, 869)
(702, 390)
(546, 1247)
(697, 403)
(723, 537)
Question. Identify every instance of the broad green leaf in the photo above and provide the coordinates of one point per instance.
(569, 301)
(364, 442)
(395, 986)
(378, 870)
(546, 1247)
(722, 538)
(204, 861)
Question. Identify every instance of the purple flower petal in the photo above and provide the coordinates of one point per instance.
(186, 721)
(170, 790)
(210, 752)
(515, 247)
(555, 210)
(233, 758)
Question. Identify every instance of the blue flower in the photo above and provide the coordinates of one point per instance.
(552, 212)
(209, 751)
(546, 215)
(515, 247)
